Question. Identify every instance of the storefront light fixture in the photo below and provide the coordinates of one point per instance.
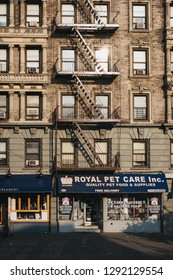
(8, 175)
(40, 174)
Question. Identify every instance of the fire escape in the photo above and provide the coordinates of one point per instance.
(92, 113)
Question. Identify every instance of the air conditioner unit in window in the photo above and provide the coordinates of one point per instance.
(140, 72)
(32, 162)
(32, 113)
(2, 115)
(140, 25)
(32, 24)
(32, 70)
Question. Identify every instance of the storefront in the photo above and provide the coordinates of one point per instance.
(25, 202)
(115, 203)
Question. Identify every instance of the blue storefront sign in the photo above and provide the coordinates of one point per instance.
(25, 184)
(117, 183)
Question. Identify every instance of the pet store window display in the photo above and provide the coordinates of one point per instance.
(130, 207)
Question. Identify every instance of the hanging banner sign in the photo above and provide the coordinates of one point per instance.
(112, 183)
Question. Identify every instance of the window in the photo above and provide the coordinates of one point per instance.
(3, 14)
(172, 61)
(33, 61)
(68, 60)
(33, 107)
(171, 16)
(32, 153)
(68, 157)
(171, 154)
(30, 207)
(3, 60)
(101, 148)
(3, 152)
(33, 15)
(140, 62)
(134, 207)
(139, 16)
(172, 107)
(102, 57)
(68, 106)
(140, 156)
(102, 11)
(68, 14)
(3, 106)
(102, 101)
(140, 107)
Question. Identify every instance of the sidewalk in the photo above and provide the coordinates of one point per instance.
(87, 246)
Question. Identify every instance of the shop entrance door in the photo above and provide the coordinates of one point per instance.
(91, 212)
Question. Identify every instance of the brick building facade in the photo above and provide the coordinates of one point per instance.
(85, 102)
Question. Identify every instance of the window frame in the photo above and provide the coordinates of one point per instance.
(106, 18)
(32, 23)
(172, 107)
(171, 60)
(104, 63)
(171, 153)
(72, 15)
(66, 63)
(6, 15)
(71, 161)
(37, 214)
(145, 18)
(146, 108)
(34, 69)
(134, 206)
(171, 15)
(72, 110)
(29, 162)
(102, 155)
(5, 153)
(145, 154)
(139, 71)
(101, 108)
(4, 109)
(36, 117)
(4, 61)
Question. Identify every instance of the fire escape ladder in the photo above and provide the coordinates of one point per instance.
(93, 11)
(87, 49)
(82, 102)
(88, 97)
(87, 142)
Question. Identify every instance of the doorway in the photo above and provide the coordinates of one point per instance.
(92, 211)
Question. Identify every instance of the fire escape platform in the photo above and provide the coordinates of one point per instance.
(89, 74)
(103, 168)
(89, 121)
(88, 27)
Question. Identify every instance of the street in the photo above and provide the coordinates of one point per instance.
(86, 246)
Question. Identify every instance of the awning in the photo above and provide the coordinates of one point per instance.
(117, 183)
(25, 184)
